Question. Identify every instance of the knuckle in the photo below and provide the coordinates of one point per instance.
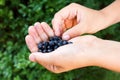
(43, 23)
(36, 23)
(56, 15)
(30, 28)
(52, 21)
(54, 70)
(91, 40)
(27, 37)
(57, 72)
(73, 3)
(90, 37)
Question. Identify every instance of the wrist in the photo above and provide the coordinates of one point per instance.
(108, 56)
(112, 12)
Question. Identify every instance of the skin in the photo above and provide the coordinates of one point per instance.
(74, 19)
(86, 50)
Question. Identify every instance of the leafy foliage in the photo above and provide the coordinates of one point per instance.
(15, 18)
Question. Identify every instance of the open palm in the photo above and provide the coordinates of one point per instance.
(64, 58)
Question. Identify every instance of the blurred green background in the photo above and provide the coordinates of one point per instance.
(15, 18)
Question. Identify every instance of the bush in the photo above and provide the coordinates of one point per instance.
(15, 18)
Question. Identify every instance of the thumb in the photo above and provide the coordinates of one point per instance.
(73, 32)
(48, 60)
(42, 58)
(39, 57)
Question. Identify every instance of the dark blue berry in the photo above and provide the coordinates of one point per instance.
(44, 51)
(55, 42)
(52, 44)
(49, 50)
(45, 43)
(39, 50)
(64, 42)
(69, 42)
(56, 46)
(40, 46)
(51, 38)
(48, 47)
(59, 44)
(57, 38)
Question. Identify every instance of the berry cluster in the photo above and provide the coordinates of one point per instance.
(52, 44)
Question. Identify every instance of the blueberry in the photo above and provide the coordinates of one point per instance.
(40, 45)
(44, 51)
(69, 42)
(55, 42)
(45, 43)
(48, 47)
(65, 42)
(52, 44)
(49, 50)
(39, 50)
(51, 38)
(57, 38)
(56, 46)
(59, 44)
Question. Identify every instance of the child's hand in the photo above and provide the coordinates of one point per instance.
(37, 33)
(75, 19)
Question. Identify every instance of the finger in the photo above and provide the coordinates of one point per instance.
(68, 23)
(58, 21)
(73, 32)
(40, 31)
(58, 25)
(41, 58)
(38, 57)
(31, 43)
(47, 29)
(47, 60)
(34, 34)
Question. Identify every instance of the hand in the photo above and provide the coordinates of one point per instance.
(37, 33)
(71, 56)
(75, 19)
(85, 51)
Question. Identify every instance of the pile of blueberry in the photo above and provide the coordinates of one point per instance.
(52, 44)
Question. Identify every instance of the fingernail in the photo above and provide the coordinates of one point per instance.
(36, 23)
(32, 58)
(66, 37)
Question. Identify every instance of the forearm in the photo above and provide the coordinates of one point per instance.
(110, 57)
(112, 12)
